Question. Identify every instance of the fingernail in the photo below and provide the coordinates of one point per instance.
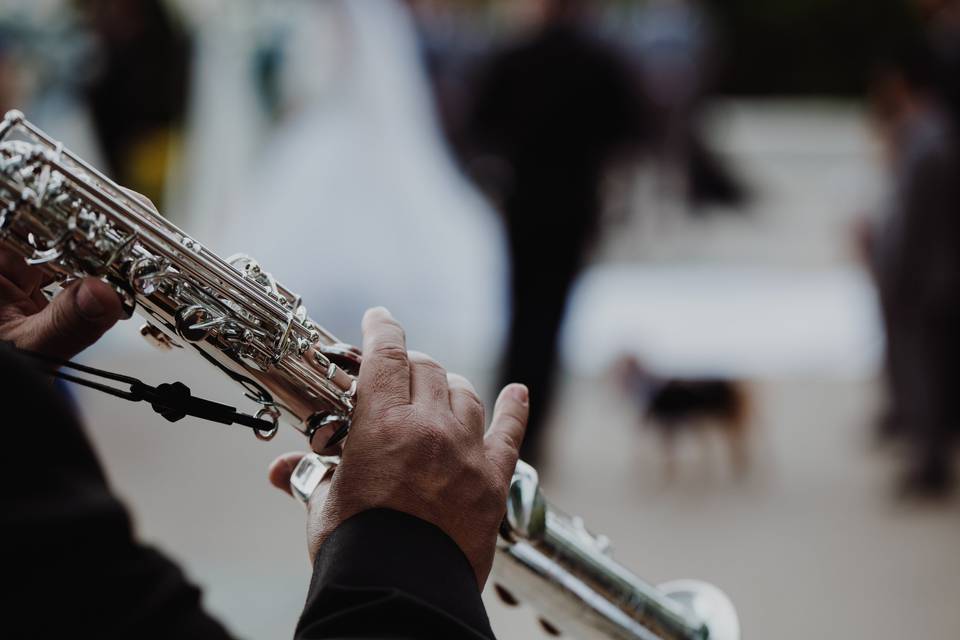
(89, 304)
(520, 394)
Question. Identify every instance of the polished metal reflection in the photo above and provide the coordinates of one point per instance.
(549, 560)
(67, 218)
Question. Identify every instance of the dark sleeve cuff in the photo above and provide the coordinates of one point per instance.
(388, 565)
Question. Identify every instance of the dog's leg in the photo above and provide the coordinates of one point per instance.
(703, 427)
(669, 451)
(738, 432)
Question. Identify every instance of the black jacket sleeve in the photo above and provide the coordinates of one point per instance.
(72, 566)
(385, 574)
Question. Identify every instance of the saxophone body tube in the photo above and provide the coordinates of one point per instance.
(551, 562)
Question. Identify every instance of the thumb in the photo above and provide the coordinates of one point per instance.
(313, 481)
(73, 320)
(282, 468)
(506, 430)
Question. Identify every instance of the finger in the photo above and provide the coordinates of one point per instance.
(17, 271)
(282, 468)
(39, 299)
(73, 320)
(507, 428)
(14, 302)
(465, 403)
(385, 372)
(428, 381)
(281, 471)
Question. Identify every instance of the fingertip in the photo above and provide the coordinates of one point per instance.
(520, 393)
(515, 392)
(282, 468)
(510, 416)
(375, 314)
(97, 301)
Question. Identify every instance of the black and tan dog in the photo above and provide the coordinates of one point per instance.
(672, 406)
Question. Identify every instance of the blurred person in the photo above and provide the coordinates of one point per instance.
(915, 254)
(401, 536)
(138, 96)
(553, 111)
(450, 45)
(366, 204)
(942, 18)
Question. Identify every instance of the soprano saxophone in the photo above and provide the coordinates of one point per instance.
(67, 218)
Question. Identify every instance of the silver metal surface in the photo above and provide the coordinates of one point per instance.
(309, 473)
(64, 216)
(550, 561)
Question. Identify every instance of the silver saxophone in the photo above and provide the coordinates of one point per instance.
(62, 215)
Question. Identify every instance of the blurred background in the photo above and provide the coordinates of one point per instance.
(718, 240)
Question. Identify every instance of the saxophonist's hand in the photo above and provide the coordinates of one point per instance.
(63, 327)
(417, 445)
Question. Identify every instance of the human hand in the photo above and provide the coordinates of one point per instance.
(417, 445)
(62, 327)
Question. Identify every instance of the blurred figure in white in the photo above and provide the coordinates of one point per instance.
(355, 153)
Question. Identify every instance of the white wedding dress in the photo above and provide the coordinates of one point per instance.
(352, 201)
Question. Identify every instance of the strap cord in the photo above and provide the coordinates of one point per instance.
(172, 400)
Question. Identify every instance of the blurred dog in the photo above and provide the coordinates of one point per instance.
(675, 405)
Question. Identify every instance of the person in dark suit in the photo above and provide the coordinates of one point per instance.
(402, 536)
(917, 266)
(138, 94)
(555, 110)
(942, 27)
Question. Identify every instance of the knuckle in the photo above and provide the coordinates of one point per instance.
(427, 362)
(401, 415)
(461, 382)
(60, 320)
(513, 421)
(509, 439)
(392, 351)
(468, 392)
(476, 403)
(474, 409)
(494, 494)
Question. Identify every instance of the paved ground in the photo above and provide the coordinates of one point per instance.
(810, 545)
